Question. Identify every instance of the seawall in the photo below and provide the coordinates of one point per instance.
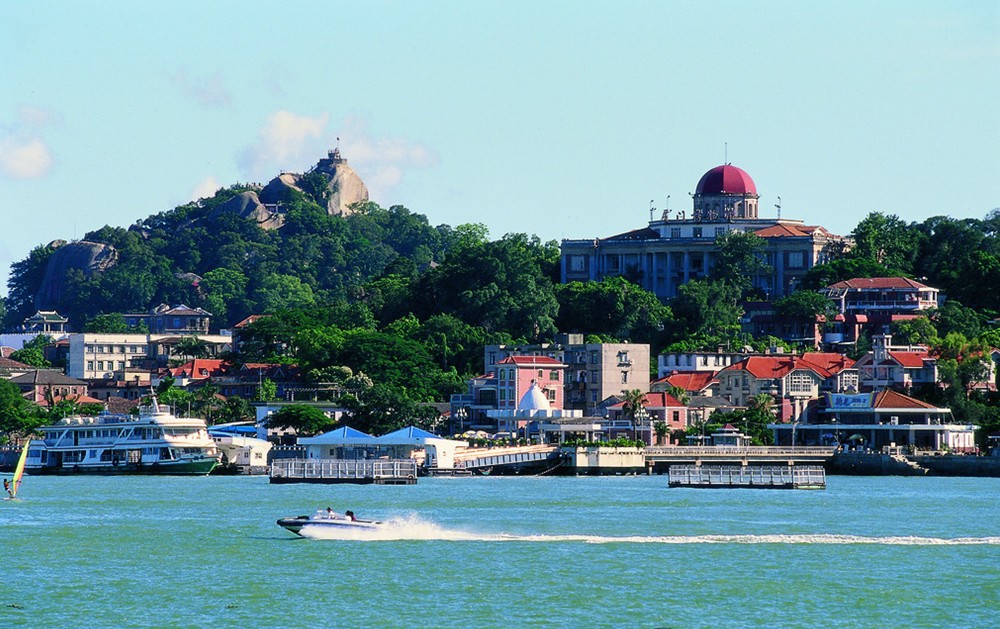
(864, 464)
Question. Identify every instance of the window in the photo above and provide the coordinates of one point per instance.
(801, 382)
(624, 377)
(90, 365)
(100, 365)
(577, 263)
(675, 232)
(550, 395)
(540, 372)
(677, 417)
(554, 376)
(90, 349)
(697, 232)
(121, 364)
(796, 259)
(593, 376)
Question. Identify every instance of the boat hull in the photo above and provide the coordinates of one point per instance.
(297, 523)
(198, 467)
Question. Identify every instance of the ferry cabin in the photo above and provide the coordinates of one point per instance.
(155, 442)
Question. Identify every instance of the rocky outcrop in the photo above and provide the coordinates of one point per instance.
(248, 205)
(345, 187)
(84, 256)
(277, 189)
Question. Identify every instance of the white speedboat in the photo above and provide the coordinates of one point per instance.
(328, 520)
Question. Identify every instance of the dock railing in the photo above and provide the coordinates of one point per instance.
(787, 476)
(344, 469)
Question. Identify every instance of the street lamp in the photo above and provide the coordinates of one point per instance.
(641, 415)
(461, 414)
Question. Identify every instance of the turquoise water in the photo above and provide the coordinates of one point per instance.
(502, 552)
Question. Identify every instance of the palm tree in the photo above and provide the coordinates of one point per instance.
(661, 430)
(680, 394)
(632, 401)
(762, 402)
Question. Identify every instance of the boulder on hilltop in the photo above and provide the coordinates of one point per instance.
(88, 257)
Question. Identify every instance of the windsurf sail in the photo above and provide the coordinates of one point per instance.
(19, 470)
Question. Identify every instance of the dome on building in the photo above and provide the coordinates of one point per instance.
(726, 179)
(533, 400)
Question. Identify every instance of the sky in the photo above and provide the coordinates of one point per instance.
(560, 119)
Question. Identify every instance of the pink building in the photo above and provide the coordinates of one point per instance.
(515, 375)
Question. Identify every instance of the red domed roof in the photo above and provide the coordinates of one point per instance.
(726, 179)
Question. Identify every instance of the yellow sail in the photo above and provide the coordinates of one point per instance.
(19, 470)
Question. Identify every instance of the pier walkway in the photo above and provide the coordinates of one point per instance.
(661, 458)
(507, 459)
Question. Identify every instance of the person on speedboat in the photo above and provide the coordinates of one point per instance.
(350, 516)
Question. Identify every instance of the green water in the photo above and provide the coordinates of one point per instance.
(502, 552)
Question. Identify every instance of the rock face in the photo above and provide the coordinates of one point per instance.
(346, 187)
(88, 257)
(266, 206)
(248, 205)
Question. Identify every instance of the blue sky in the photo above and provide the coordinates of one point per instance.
(561, 119)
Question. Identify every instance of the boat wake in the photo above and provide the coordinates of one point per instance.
(414, 528)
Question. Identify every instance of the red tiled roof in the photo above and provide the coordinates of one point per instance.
(11, 364)
(528, 361)
(832, 362)
(199, 368)
(910, 359)
(655, 400)
(690, 380)
(781, 230)
(762, 367)
(862, 283)
(73, 397)
(893, 399)
(252, 318)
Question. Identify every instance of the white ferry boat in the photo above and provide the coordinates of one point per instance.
(152, 442)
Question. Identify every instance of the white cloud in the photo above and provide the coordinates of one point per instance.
(382, 162)
(209, 91)
(286, 141)
(24, 157)
(24, 153)
(205, 189)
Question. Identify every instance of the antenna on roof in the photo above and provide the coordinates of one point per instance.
(651, 210)
(778, 205)
(726, 161)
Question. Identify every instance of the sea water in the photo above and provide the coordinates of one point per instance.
(501, 552)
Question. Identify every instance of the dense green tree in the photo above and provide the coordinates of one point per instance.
(887, 240)
(708, 308)
(805, 304)
(304, 419)
(383, 408)
(113, 323)
(954, 317)
(615, 309)
(33, 351)
(23, 283)
(918, 331)
(504, 285)
(740, 257)
(17, 416)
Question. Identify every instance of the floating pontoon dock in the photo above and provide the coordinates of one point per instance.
(748, 476)
(359, 471)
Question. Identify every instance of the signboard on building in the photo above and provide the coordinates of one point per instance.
(849, 400)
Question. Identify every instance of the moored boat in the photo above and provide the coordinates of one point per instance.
(153, 442)
(328, 520)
